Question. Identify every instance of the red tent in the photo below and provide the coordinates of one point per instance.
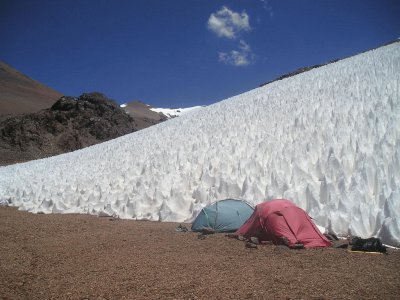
(280, 218)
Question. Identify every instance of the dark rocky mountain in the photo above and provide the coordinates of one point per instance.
(21, 94)
(70, 124)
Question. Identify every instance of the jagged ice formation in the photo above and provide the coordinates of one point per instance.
(327, 139)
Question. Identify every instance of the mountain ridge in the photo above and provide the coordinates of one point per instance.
(22, 94)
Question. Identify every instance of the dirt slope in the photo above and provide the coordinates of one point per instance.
(144, 117)
(21, 94)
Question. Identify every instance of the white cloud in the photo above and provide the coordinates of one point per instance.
(234, 58)
(239, 58)
(227, 23)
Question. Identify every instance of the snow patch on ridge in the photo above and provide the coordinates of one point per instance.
(175, 112)
(327, 139)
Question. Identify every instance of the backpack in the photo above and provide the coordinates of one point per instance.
(367, 245)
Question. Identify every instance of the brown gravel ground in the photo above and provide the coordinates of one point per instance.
(88, 257)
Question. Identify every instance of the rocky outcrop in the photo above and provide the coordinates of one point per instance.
(70, 124)
(298, 71)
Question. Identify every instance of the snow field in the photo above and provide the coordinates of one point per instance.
(175, 112)
(327, 139)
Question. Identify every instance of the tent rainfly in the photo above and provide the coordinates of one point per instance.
(223, 216)
(280, 221)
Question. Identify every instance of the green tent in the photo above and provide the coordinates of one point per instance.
(223, 216)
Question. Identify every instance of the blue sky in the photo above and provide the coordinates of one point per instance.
(180, 53)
